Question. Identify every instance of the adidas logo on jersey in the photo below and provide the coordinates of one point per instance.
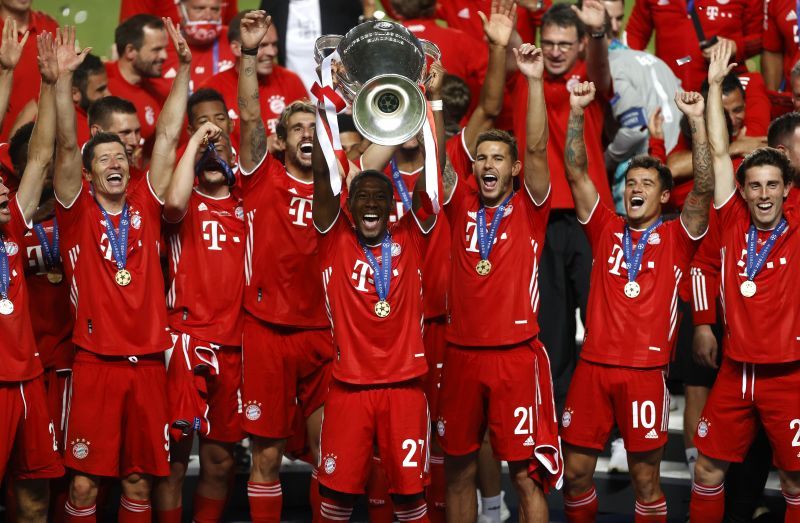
(791, 16)
(652, 434)
(528, 442)
(464, 13)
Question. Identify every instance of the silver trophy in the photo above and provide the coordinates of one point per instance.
(381, 65)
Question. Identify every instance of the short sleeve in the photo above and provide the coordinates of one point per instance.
(69, 213)
(600, 217)
(538, 212)
(17, 226)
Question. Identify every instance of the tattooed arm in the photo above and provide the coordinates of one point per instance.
(575, 160)
(696, 207)
(717, 128)
(253, 134)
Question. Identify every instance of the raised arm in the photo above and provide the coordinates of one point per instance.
(577, 165)
(10, 53)
(717, 127)
(498, 29)
(253, 134)
(40, 147)
(68, 174)
(593, 15)
(170, 121)
(176, 198)
(698, 203)
(530, 63)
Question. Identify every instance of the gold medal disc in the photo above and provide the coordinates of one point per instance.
(123, 277)
(382, 309)
(55, 276)
(484, 267)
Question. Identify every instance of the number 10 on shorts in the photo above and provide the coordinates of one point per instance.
(646, 414)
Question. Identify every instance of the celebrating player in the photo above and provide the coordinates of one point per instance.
(493, 352)
(759, 378)
(638, 263)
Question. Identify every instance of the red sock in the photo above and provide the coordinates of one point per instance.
(313, 496)
(655, 511)
(172, 515)
(581, 509)
(379, 506)
(707, 503)
(207, 510)
(75, 514)
(435, 493)
(134, 511)
(414, 512)
(333, 511)
(792, 508)
(265, 501)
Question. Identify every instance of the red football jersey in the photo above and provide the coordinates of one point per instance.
(372, 350)
(160, 8)
(143, 96)
(18, 346)
(276, 91)
(281, 250)
(738, 20)
(82, 129)
(460, 157)
(206, 257)
(634, 332)
(780, 32)
(502, 307)
(703, 281)
(763, 328)
(51, 317)
(207, 61)
(556, 95)
(112, 320)
(463, 15)
(26, 75)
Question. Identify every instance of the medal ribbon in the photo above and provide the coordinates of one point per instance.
(5, 275)
(755, 261)
(401, 186)
(382, 272)
(50, 251)
(209, 155)
(486, 239)
(119, 245)
(633, 257)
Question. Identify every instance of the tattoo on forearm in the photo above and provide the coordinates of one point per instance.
(696, 207)
(258, 142)
(575, 147)
(449, 177)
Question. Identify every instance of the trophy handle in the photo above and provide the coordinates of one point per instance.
(325, 45)
(432, 51)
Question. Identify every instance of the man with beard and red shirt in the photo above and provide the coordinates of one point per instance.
(277, 86)
(160, 8)
(758, 383)
(110, 236)
(28, 446)
(141, 43)
(637, 265)
(737, 21)
(780, 52)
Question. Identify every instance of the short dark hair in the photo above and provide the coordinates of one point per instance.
(98, 139)
(409, 9)
(644, 161)
(235, 27)
(203, 95)
(91, 65)
(562, 15)
(730, 83)
(456, 97)
(370, 173)
(131, 31)
(18, 147)
(346, 124)
(498, 135)
(101, 110)
(766, 156)
(298, 106)
(782, 128)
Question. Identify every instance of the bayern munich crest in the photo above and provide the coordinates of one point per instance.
(440, 427)
(396, 249)
(252, 410)
(329, 464)
(653, 239)
(12, 248)
(80, 448)
(566, 417)
(239, 213)
(702, 427)
(136, 221)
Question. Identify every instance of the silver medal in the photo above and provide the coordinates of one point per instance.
(748, 288)
(6, 307)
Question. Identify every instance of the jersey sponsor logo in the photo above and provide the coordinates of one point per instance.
(149, 115)
(36, 258)
(329, 464)
(214, 233)
(440, 426)
(277, 103)
(272, 124)
(651, 435)
(566, 417)
(252, 410)
(712, 12)
(363, 274)
(702, 427)
(80, 448)
(11, 248)
(300, 208)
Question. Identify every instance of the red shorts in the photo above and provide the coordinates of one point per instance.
(392, 417)
(56, 384)
(117, 422)
(28, 448)
(743, 395)
(284, 369)
(600, 396)
(434, 340)
(494, 388)
(203, 385)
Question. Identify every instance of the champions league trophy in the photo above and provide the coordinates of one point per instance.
(380, 66)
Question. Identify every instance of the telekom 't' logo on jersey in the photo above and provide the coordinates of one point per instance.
(300, 208)
(363, 274)
(36, 259)
(214, 233)
(472, 237)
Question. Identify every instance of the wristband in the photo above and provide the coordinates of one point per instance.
(598, 36)
(437, 105)
(253, 51)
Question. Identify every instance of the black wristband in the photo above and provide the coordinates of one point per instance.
(599, 35)
(253, 51)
